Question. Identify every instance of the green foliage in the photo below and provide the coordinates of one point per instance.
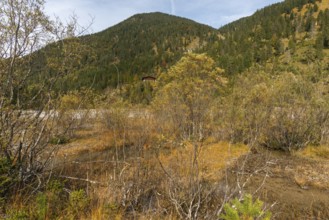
(18, 215)
(300, 115)
(59, 139)
(78, 203)
(144, 44)
(319, 46)
(52, 203)
(185, 92)
(283, 112)
(6, 179)
(111, 210)
(41, 206)
(78, 99)
(259, 38)
(49, 203)
(140, 92)
(55, 187)
(109, 59)
(246, 209)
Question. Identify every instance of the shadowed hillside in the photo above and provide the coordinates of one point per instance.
(148, 44)
(144, 44)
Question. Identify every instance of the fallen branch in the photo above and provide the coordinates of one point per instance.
(82, 179)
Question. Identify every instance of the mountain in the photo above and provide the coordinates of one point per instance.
(291, 34)
(144, 44)
(272, 32)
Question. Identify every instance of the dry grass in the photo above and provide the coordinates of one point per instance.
(103, 212)
(314, 152)
(145, 172)
(137, 178)
(317, 175)
(89, 141)
(218, 156)
(323, 5)
(309, 176)
(212, 158)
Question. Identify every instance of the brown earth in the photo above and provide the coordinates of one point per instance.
(291, 186)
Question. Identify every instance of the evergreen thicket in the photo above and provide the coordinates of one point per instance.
(145, 44)
(149, 44)
(258, 38)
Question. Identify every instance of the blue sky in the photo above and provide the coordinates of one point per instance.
(106, 13)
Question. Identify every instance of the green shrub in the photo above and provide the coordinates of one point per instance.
(50, 203)
(17, 215)
(245, 210)
(41, 206)
(6, 179)
(78, 203)
(59, 139)
(286, 112)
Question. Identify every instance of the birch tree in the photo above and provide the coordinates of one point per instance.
(186, 92)
(27, 121)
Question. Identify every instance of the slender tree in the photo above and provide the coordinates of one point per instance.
(188, 88)
(26, 128)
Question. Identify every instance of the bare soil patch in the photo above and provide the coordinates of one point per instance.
(297, 186)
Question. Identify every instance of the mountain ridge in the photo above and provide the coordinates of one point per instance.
(268, 33)
(146, 44)
(149, 43)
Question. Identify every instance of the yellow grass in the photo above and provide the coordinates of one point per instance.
(216, 157)
(314, 152)
(99, 213)
(309, 176)
(97, 141)
(212, 158)
(323, 5)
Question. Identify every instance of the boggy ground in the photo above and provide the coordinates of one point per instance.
(295, 187)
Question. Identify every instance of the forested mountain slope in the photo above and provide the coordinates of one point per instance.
(293, 33)
(271, 32)
(144, 44)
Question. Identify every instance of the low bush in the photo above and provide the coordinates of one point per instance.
(78, 203)
(285, 112)
(245, 209)
(6, 179)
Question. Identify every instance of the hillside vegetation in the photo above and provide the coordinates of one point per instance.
(272, 32)
(235, 125)
(148, 44)
(145, 44)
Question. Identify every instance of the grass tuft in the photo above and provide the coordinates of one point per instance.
(315, 152)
